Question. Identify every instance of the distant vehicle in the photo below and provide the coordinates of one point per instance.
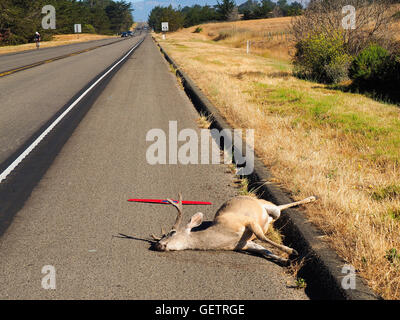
(130, 33)
(124, 34)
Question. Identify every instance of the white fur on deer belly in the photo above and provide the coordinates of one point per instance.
(272, 211)
(266, 217)
(176, 247)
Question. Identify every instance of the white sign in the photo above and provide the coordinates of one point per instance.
(78, 28)
(164, 26)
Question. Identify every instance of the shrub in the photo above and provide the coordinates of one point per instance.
(14, 39)
(371, 66)
(174, 17)
(88, 28)
(322, 57)
(198, 30)
(222, 36)
(338, 68)
(392, 255)
(374, 20)
(47, 36)
(394, 72)
(389, 192)
(391, 79)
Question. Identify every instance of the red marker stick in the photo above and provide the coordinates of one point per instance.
(164, 201)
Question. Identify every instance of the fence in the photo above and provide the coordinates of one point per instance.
(285, 36)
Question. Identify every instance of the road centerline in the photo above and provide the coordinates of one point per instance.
(39, 63)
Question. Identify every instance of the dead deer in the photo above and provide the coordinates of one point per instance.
(236, 223)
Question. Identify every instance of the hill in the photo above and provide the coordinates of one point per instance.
(315, 139)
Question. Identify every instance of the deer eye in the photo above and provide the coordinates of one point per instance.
(171, 233)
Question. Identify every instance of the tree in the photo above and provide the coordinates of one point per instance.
(120, 15)
(373, 22)
(154, 19)
(198, 14)
(283, 6)
(295, 9)
(265, 8)
(175, 18)
(257, 10)
(19, 19)
(99, 20)
(225, 8)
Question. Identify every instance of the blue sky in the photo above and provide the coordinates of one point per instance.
(143, 7)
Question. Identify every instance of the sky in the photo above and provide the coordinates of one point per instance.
(142, 8)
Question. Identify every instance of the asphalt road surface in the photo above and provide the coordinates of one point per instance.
(74, 216)
(18, 59)
(30, 97)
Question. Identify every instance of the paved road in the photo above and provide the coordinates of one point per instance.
(18, 59)
(79, 207)
(29, 98)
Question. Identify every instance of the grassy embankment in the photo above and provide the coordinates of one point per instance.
(343, 147)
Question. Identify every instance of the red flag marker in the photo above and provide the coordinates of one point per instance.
(164, 201)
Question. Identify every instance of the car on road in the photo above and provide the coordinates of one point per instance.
(124, 34)
(130, 33)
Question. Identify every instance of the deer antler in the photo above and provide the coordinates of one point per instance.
(179, 207)
(157, 238)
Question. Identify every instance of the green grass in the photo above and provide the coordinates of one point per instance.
(203, 59)
(393, 256)
(180, 47)
(279, 65)
(301, 283)
(381, 137)
(172, 69)
(394, 213)
(390, 192)
(244, 187)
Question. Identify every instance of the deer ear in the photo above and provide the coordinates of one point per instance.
(195, 221)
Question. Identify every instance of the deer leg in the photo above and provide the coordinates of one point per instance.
(293, 204)
(256, 248)
(257, 230)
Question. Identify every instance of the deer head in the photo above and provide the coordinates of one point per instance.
(178, 238)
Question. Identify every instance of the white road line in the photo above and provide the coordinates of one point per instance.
(28, 150)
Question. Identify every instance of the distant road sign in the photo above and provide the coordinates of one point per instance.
(78, 28)
(164, 26)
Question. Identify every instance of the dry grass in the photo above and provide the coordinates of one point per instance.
(204, 121)
(235, 34)
(343, 147)
(58, 40)
(133, 27)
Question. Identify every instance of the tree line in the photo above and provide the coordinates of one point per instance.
(20, 19)
(268, 9)
(225, 10)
